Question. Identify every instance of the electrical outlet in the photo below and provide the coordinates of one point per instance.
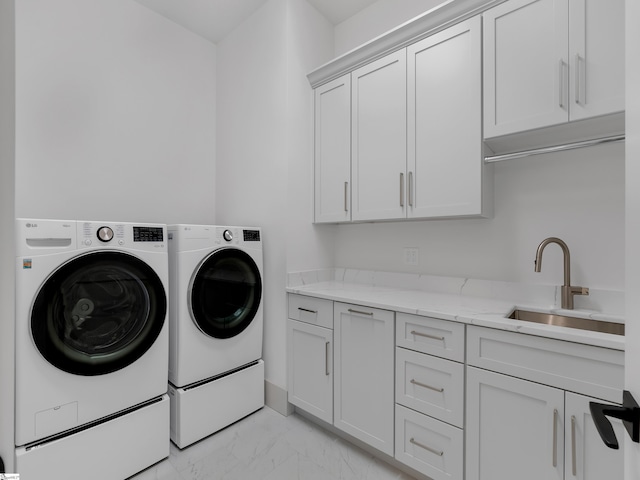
(411, 256)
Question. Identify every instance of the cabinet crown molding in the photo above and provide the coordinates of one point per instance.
(432, 21)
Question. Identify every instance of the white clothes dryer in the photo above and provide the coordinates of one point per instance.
(216, 373)
(91, 347)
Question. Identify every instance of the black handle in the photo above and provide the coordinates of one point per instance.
(629, 413)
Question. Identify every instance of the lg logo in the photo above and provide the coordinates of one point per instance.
(31, 225)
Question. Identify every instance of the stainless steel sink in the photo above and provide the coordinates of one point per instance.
(571, 322)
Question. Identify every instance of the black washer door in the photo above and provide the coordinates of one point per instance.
(226, 293)
(98, 313)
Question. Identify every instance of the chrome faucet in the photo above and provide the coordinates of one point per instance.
(567, 290)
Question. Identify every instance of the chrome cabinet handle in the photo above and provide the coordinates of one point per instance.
(581, 93)
(307, 310)
(326, 358)
(402, 189)
(555, 438)
(346, 189)
(351, 310)
(561, 74)
(410, 189)
(428, 449)
(573, 446)
(426, 335)
(436, 389)
(577, 83)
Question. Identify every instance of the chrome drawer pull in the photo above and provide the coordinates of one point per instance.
(428, 449)
(410, 188)
(326, 359)
(555, 438)
(350, 310)
(561, 69)
(435, 389)
(346, 191)
(307, 310)
(574, 465)
(426, 335)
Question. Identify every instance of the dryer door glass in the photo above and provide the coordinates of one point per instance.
(225, 293)
(98, 313)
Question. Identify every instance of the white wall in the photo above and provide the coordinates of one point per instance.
(378, 18)
(576, 195)
(265, 148)
(632, 351)
(7, 214)
(115, 114)
(310, 44)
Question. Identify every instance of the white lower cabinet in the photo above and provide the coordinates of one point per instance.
(524, 430)
(587, 458)
(311, 370)
(531, 428)
(310, 352)
(430, 396)
(508, 406)
(514, 428)
(363, 383)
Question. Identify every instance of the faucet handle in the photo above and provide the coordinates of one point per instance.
(568, 292)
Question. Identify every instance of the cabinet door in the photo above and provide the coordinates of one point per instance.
(587, 457)
(310, 368)
(596, 52)
(444, 78)
(364, 385)
(514, 428)
(379, 143)
(525, 66)
(333, 151)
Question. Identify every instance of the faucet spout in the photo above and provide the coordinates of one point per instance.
(566, 255)
(568, 291)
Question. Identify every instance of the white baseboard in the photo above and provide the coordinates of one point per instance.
(275, 397)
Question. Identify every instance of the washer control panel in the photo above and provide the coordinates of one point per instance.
(142, 236)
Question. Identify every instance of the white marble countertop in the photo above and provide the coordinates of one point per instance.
(472, 310)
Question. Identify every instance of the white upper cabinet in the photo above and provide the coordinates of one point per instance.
(379, 138)
(596, 48)
(547, 62)
(333, 151)
(444, 137)
(526, 43)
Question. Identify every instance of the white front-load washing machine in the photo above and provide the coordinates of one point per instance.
(91, 348)
(216, 372)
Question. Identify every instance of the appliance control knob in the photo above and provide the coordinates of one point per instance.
(105, 234)
(227, 235)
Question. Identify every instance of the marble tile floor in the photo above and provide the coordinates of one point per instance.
(270, 446)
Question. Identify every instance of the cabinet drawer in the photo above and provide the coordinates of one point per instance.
(311, 310)
(428, 445)
(430, 385)
(594, 371)
(441, 338)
